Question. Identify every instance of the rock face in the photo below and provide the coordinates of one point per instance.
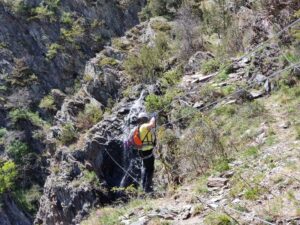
(81, 177)
(41, 53)
(46, 54)
(11, 214)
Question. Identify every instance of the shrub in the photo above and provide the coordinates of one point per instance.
(66, 18)
(147, 65)
(210, 66)
(221, 164)
(43, 12)
(68, 134)
(71, 35)
(252, 193)
(91, 115)
(172, 77)
(251, 151)
(17, 150)
(8, 174)
(17, 115)
(53, 50)
(3, 132)
(28, 199)
(185, 115)
(108, 61)
(157, 103)
(91, 177)
(216, 218)
(21, 75)
(144, 67)
(17, 6)
(48, 103)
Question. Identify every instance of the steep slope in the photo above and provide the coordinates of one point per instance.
(181, 61)
(259, 186)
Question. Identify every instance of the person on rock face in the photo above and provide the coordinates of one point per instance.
(146, 151)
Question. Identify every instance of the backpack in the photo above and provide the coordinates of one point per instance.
(134, 140)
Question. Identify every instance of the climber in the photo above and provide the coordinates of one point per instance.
(140, 144)
(146, 125)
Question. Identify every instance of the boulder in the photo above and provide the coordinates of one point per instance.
(217, 182)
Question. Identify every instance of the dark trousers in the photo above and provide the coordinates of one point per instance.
(147, 170)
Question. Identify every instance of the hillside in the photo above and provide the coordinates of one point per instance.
(223, 77)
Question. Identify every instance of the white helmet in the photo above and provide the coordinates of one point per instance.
(143, 115)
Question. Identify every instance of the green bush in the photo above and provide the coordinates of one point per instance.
(145, 67)
(68, 134)
(221, 165)
(17, 150)
(71, 35)
(210, 66)
(3, 132)
(66, 18)
(156, 103)
(43, 12)
(53, 50)
(252, 193)
(172, 77)
(185, 116)
(251, 151)
(17, 115)
(216, 218)
(8, 174)
(48, 103)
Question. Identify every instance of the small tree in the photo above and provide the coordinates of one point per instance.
(8, 174)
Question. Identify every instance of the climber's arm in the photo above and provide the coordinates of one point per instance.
(151, 124)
